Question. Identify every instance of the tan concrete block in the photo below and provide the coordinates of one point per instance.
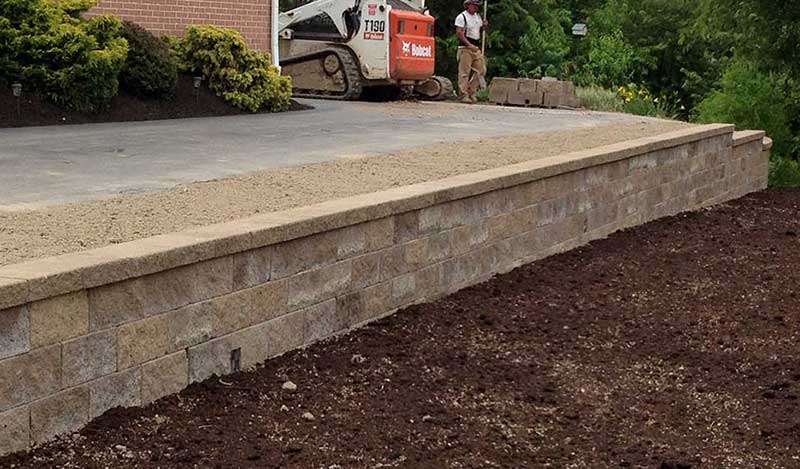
(406, 227)
(303, 254)
(365, 237)
(251, 268)
(404, 258)
(351, 307)
(528, 93)
(270, 301)
(59, 414)
(89, 357)
(380, 233)
(117, 390)
(366, 270)
(15, 331)
(319, 285)
(554, 87)
(142, 341)
(544, 212)
(115, 304)
(511, 224)
(499, 89)
(601, 215)
(190, 325)
(377, 301)
(165, 376)
(215, 356)
(431, 220)
(404, 289)
(465, 238)
(550, 100)
(30, 376)
(13, 292)
(232, 312)
(15, 430)
(129, 300)
(429, 282)
(439, 247)
(351, 241)
(59, 318)
(285, 333)
(323, 320)
(462, 269)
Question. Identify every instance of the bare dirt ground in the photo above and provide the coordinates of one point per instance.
(61, 229)
(671, 345)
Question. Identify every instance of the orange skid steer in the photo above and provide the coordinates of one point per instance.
(341, 49)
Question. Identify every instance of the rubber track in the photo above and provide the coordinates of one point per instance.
(351, 73)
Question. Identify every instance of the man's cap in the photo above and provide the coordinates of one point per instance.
(473, 2)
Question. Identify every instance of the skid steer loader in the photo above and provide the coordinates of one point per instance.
(338, 49)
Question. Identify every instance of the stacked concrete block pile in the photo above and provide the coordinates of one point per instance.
(547, 92)
(130, 323)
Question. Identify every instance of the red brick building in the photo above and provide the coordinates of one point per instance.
(169, 17)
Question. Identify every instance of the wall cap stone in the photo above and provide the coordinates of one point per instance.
(743, 137)
(42, 278)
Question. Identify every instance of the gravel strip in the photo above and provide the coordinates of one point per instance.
(50, 231)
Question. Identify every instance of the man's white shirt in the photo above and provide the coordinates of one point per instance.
(471, 23)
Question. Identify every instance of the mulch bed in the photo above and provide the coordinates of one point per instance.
(37, 111)
(671, 345)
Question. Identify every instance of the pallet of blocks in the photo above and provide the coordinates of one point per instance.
(546, 92)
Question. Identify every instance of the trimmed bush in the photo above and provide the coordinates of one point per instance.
(151, 69)
(243, 77)
(51, 49)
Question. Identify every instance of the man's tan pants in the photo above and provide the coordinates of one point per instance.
(471, 68)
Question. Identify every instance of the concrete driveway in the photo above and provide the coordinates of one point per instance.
(49, 165)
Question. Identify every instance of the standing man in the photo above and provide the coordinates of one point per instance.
(471, 66)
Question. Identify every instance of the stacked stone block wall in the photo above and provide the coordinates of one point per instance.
(252, 18)
(129, 324)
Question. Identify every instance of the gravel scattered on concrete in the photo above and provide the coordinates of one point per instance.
(50, 231)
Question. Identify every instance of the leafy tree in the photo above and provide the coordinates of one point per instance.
(609, 63)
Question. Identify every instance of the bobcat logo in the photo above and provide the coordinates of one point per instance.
(406, 48)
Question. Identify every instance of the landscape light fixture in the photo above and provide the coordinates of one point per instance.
(197, 82)
(16, 88)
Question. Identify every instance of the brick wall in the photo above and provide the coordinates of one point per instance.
(170, 17)
(128, 324)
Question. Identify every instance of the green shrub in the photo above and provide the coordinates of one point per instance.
(600, 99)
(51, 49)
(151, 69)
(751, 99)
(783, 171)
(243, 77)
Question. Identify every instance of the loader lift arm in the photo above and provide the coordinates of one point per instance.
(348, 9)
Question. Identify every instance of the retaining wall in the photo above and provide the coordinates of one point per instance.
(127, 324)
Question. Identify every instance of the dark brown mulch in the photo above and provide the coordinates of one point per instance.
(672, 345)
(37, 111)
